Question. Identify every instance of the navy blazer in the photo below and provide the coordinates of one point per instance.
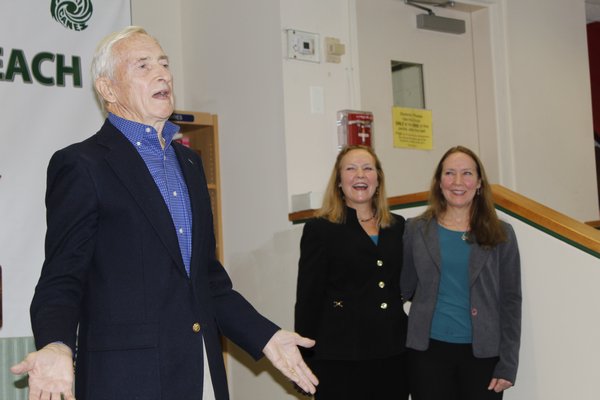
(348, 296)
(495, 289)
(113, 285)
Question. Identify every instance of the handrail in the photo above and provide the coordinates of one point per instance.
(557, 224)
(574, 232)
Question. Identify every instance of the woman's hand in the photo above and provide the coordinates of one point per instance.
(498, 385)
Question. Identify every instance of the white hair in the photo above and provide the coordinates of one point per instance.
(103, 63)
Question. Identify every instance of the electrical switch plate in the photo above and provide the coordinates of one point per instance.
(334, 50)
(303, 45)
(317, 100)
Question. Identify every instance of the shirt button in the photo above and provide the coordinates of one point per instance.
(382, 284)
(147, 130)
(474, 311)
(181, 230)
(138, 143)
(196, 327)
(175, 193)
(383, 306)
(379, 263)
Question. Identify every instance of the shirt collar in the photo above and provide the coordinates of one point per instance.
(137, 132)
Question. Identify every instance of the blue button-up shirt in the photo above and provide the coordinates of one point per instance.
(166, 172)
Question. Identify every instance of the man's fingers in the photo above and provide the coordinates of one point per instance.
(20, 368)
(304, 378)
(305, 342)
(34, 393)
(308, 373)
(305, 385)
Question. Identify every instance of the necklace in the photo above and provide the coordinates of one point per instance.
(367, 219)
(454, 226)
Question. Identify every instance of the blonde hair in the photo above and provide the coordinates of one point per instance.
(485, 226)
(334, 206)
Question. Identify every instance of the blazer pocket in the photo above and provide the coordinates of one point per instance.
(122, 336)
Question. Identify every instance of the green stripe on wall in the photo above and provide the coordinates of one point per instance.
(12, 351)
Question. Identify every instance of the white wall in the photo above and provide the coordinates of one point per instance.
(534, 134)
(311, 137)
(550, 105)
(560, 331)
(492, 89)
(387, 31)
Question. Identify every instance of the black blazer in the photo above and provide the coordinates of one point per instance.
(348, 294)
(113, 271)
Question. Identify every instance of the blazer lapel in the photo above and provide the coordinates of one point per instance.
(431, 242)
(129, 166)
(477, 261)
(199, 199)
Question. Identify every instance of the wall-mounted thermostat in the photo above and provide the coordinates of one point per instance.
(303, 45)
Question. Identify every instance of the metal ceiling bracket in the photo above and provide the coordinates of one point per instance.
(436, 3)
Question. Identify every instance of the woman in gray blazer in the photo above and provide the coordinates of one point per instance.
(462, 274)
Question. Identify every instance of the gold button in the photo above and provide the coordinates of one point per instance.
(383, 306)
(379, 263)
(196, 327)
(382, 284)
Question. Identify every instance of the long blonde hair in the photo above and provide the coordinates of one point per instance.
(334, 206)
(485, 226)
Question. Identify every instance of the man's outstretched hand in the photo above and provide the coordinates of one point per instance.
(50, 372)
(282, 351)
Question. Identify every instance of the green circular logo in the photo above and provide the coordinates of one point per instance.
(72, 14)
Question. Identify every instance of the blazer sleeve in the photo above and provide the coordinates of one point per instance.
(72, 214)
(510, 307)
(312, 279)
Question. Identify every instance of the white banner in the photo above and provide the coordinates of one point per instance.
(47, 102)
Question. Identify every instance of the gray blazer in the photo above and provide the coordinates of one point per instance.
(495, 279)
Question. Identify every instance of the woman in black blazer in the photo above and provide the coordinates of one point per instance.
(348, 295)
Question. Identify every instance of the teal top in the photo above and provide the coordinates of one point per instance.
(452, 318)
(374, 238)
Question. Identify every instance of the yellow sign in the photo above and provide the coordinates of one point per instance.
(412, 128)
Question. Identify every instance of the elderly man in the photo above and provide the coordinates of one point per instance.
(130, 287)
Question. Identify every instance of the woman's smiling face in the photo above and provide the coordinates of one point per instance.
(459, 180)
(358, 178)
